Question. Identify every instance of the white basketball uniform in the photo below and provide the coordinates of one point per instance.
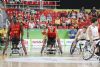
(95, 33)
(81, 36)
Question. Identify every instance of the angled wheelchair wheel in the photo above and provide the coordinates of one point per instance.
(88, 52)
(72, 48)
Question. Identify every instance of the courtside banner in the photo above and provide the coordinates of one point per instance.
(39, 42)
(36, 43)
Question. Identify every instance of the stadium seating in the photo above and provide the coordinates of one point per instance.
(54, 14)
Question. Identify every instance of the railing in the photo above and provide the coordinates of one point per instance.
(39, 4)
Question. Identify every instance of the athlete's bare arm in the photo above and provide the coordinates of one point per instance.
(21, 30)
(78, 33)
(57, 36)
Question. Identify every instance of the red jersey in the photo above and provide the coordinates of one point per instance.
(99, 28)
(51, 34)
(15, 30)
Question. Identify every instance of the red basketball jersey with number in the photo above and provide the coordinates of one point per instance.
(51, 34)
(15, 30)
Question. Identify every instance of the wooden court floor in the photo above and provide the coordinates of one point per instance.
(36, 60)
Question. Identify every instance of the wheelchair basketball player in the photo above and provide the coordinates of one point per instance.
(50, 36)
(15, 35)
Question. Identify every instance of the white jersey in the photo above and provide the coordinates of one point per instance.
(95, 32)
(82, 34)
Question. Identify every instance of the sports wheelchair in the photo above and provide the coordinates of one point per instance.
(77, 46)
(52, 47)
(16, 50)
(89, 50)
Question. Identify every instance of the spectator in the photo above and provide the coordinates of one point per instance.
(73, 14)
(11, 1)
(18, 1)
(81, 23)
(82, 10)
(31, 24)
(42, 18)
(49, 17)
(80, 15)
(63, 19)
(25, 16)
(74, 22)
(68, 22)
(37, 24)
(93, 10)
(57, 22)
(69, 15)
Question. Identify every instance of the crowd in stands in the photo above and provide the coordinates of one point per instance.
(62, 19)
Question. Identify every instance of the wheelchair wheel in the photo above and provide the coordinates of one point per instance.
(72, 48)
(88, 52)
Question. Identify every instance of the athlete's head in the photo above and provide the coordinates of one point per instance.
(84, 28)
(94, 21)
(51, 27)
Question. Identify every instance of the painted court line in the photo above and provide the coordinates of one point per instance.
(51, 60)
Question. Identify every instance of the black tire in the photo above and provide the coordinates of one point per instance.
(72, 48)
(89, 50)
